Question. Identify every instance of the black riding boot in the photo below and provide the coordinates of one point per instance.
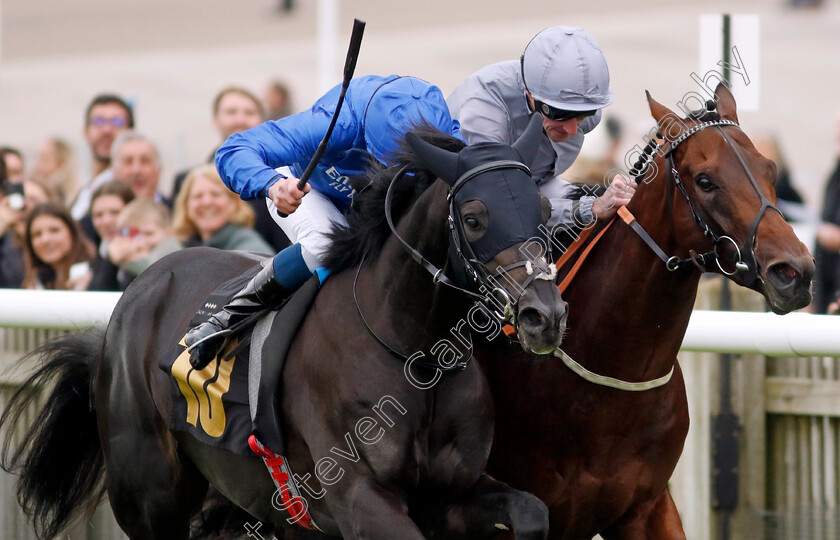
(262, 292)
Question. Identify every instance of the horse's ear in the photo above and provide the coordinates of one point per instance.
(658, 110)
(725, 103)
(443, 163)
(529, 142)
(669, 125)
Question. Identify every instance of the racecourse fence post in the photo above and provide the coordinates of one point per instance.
(726, 425)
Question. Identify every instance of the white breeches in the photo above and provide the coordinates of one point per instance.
(309, 224)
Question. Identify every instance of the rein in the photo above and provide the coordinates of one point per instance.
(748, 267)
(457, 366)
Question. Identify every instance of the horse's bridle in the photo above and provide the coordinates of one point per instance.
(748, 266)
(471, 276)
(746, 262)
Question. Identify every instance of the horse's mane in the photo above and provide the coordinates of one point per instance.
(366, 229)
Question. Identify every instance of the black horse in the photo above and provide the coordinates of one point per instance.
(372, 341)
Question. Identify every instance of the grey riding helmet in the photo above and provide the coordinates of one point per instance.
(564, 67)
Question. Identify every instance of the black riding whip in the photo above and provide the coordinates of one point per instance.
(349, 68)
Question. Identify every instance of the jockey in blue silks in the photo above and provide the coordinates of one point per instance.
(267, 160)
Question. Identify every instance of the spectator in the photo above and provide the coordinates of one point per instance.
(11, 260)
(235, 109)
(56, 167)
(827, 252)
(108, 201)
(207, 213)
(13, 160)
(277, 100)
(789, 200)
(35, 193)
(562, 75)
(13, 212)
(136, 161)
(145, 236)
(106, 116)
(57, 252)
(615, 132)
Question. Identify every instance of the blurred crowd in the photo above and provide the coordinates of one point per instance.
(60, 230)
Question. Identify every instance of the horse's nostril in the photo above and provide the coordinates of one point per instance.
(532, 319)
(787, 271)
(783, 275)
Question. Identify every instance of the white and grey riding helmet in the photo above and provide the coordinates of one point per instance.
(563, 67)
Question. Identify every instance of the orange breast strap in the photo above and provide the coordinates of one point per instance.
(568, 279)
(508, 329)
(573, 247)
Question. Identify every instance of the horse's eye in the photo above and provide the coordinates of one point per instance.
(471, 222)
(705, 183)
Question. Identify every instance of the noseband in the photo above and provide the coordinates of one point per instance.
(745, 263)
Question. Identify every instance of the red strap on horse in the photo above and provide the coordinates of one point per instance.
(283, 481)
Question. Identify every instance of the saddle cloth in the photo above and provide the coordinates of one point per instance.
(237, 393)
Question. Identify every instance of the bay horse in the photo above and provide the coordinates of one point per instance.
(597, 450)
(423, 475)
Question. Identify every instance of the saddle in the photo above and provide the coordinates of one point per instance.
(237, 393)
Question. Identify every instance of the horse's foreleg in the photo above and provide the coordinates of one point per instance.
(492, 509)
(660, 522)
(368, 510)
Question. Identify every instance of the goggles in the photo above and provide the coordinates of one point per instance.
(560, 115)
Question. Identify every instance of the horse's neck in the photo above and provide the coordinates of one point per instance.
(402, 291)
(626, 294)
